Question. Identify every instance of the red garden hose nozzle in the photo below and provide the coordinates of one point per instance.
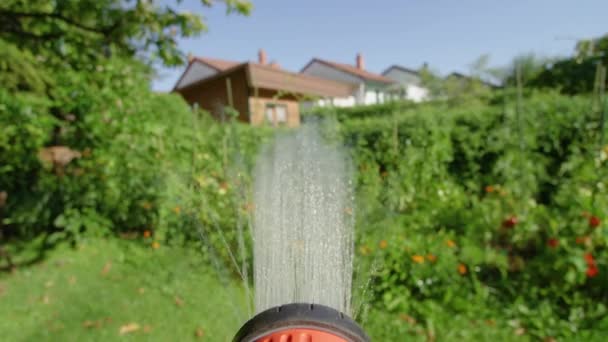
(301, 322)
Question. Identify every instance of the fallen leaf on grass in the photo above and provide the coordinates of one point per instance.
(54, 326)
(199, 333)
(106, 268)
(520, 331)
(128, 328)
(407, 318)
(92, 324)
(45, 299)
(141, 290)
(72, 280)
(179, 301)
(128, 235)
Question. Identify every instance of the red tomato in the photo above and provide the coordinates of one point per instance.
(592, 271)
(589, 259)
(594, 221)
(553, 242)
(510, 222)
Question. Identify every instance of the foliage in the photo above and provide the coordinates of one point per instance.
(597, 47)
(106, 156)
(577, 74)
(457, 89)
(528, 65)
(571, 76)
(19, 72)
(469, 210)
(359, 112)
(80, 32)
(476, 206)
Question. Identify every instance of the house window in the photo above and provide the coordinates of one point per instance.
(276, 114)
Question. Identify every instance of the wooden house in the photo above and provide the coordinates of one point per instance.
(259, 92)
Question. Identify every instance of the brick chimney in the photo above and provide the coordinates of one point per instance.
(360, 62)
(262, 57)
(275, 65)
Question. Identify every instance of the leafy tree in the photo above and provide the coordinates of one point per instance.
(588, 48)
(18, 70)
(529, 66)
(457, 88)
(576, 74)
(431, 80)
(481, 70)
(81, 31)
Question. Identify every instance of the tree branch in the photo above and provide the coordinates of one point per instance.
(25, 34)
(42, 15)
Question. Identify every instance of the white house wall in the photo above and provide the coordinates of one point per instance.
(410, 82)
(416, 93)
(368, 99)
(336, 102)
(321, 70)
(196, 72)
(345, 101)
(373, 97)
(364, 94)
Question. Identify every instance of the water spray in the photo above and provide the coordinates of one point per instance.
(303, 244)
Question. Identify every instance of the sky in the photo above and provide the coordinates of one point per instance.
(447, 34)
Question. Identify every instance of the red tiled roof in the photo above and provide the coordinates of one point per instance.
(370, 76)
(271, 77)
(268, 77)
(218, 64)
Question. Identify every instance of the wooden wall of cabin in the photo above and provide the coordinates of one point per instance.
(213, 95)
(259, 104)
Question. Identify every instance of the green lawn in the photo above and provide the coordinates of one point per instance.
(104, 286)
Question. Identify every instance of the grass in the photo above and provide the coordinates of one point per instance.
(110, 289)
(117, 290)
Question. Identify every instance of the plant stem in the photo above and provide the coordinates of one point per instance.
(600, 95)
(518, 108)
(520, 138)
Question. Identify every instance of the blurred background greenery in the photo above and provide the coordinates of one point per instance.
(480, 214)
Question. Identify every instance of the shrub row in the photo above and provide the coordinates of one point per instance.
(485, 206)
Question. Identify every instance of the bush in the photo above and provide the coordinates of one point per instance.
(359, 112)
(477, 206)
(476, 210)
(104, 155)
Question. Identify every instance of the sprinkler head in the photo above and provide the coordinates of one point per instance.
(300, 322)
